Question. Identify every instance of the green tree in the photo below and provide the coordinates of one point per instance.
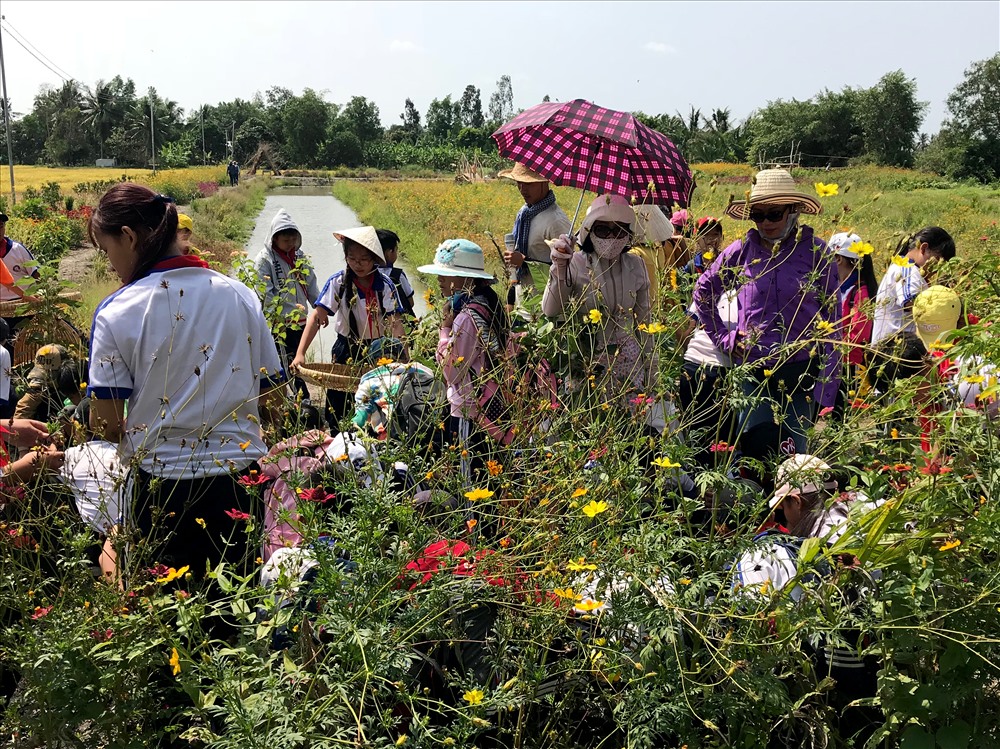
(471, 108)
(105, 106)
(305, 120)
(501, 106)
(890, 116)
(411, 121)
(443, 119)
(361, 117)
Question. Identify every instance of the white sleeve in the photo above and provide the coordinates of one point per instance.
(329, 297)
(110, 378)
(4, 374)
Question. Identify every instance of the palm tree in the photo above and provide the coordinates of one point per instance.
(100, 110)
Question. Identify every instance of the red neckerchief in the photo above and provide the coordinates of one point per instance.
(371, 304)
(288, 257)
(179, 261)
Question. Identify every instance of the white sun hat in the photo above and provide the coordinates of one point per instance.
(366, 236)
(800, 474)
(458, 258)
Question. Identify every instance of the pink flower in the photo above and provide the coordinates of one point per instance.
(254, 479)
(41, 611)
(826, 411)
(721, 447)
(237, 514)
(102, 635)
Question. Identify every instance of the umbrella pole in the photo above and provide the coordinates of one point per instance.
(579, 204)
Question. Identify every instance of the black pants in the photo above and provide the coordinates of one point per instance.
(287, 351)
(707, 417)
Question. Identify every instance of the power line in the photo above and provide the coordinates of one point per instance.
(12, 30)
(36, 56)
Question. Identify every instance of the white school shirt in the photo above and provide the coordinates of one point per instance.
(96, 476)
(900, 286)
(189, 350)
(21, 264)
(329, 299)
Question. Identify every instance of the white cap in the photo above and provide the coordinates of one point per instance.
(800, 474)
(841, 244)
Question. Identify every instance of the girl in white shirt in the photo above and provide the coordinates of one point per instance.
(190, 353)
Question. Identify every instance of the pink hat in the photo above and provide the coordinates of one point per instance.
(607, 208)
(680, 217)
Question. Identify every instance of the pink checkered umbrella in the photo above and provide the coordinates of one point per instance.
(580, 144)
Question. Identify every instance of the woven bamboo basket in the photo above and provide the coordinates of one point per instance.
(33, 334)
(344, 377)
(10, 308)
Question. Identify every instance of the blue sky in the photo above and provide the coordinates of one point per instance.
(649, 56)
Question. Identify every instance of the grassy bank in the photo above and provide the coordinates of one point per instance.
(880, 204)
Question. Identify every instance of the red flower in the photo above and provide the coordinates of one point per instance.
(898, 468)
(41, 611)
(237, 514)
(319, 494)
(102, 636)
(935, 468)
(984, 238)
(254, 479)
(858, 403)
(721, 447)
(826, 411)
(598, 453)
(159, 570)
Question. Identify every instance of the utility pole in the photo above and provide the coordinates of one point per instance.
(152, 134)
(203, 159)
(6, 121)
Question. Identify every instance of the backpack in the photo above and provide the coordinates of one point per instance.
(507, 382)
(419, 407)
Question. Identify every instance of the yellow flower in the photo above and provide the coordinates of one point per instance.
(653, 328)
(862, 249)
(707, 256)
(429, 475)
(589, 605)
(566, 593)
(673, 279)
(384, 361)
(580, 565)
(825, 327)
(172, 575)
(594, 316)
(900, 260)
(593, 508)
(473, 696)
(476, 494)
(459, 360)
(175, 660)
(685, 581)
(948, 546)
(974, 379)
(582, 491)
(244, 445)
(768, 372)
(201, 522)
(894, 433)
(494, 467)
(83, 386)
(825, 191)
(402, 740)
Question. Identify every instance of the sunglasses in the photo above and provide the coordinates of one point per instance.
(609, 231)
(775, 214)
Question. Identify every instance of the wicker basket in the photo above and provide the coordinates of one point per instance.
(10, 308)
(33, 334)
(344, 377)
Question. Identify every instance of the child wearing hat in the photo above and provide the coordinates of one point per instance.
(362, 301)
(185, 229)
(904, 279)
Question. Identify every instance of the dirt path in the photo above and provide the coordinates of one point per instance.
(75, 264)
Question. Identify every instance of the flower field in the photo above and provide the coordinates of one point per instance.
(576, 590)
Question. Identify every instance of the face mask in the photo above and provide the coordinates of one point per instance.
(791, 223)
(610, 248)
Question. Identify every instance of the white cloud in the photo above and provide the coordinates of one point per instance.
(402, 45)
(660, 48)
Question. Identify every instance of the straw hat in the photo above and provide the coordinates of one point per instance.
(935, 313)
(521, 173)
(773, 187)
(366, 236)
(607, 208)
(458, 258)
(800, 474)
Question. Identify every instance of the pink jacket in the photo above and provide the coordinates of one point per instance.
(855, 325)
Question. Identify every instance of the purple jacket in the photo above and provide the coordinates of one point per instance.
(781, 297)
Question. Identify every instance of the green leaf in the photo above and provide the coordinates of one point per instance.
(955, 736)
(915, 737)
(954, 656)
(809, 549)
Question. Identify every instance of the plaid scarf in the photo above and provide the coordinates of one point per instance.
(522, 224)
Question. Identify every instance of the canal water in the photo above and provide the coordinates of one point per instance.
(318, 214)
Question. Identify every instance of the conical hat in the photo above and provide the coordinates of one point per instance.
(774, 187)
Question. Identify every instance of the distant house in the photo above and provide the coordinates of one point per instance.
(106, 162)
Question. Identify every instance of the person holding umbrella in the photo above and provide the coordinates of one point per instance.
(607, 287)
(539, 219)
(786, 288)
